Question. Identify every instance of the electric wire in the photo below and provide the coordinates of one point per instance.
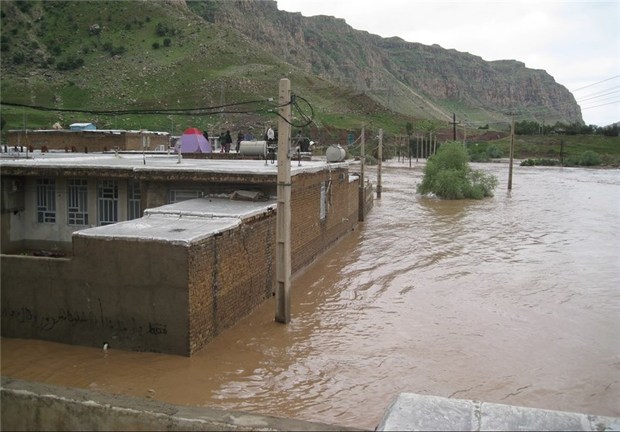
(272, 108)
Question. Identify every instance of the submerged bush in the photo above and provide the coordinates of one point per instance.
(494, 152)
(589, 158)
(448, 175)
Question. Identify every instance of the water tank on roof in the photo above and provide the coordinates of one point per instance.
(253, 148)
(82, 127)
(335, 153)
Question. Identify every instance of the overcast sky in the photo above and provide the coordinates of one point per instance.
(576, 42)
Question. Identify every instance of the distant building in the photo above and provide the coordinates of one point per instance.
(151, 254)
(88, 140)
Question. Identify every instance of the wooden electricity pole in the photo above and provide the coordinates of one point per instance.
(362, 191)
(454, 123)
(417, 148)
(283, 217)
(379, 160)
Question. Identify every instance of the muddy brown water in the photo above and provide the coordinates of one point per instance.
(513, 299)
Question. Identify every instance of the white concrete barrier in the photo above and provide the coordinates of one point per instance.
(413, 412)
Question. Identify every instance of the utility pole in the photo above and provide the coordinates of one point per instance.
(409, 147)
(512, 147)
(379, 160)
(454, 123)
(283, 216)
(362, 190)
(417, 148)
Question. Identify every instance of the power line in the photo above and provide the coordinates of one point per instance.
(177, 111)
(272, 108)
(593, 84)
(596, 106)
(600, 94)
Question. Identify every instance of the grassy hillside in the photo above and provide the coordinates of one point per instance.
(149, 55)
(571, 147)
(156, 55)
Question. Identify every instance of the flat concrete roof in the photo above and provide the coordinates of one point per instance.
(156, 162)
(185, 222)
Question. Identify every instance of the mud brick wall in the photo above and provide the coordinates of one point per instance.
(229, 275)
(83, 141)
(311, 236)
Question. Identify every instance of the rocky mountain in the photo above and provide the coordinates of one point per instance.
(426, 81)
(178, 54)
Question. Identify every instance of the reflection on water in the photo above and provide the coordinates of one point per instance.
(513, 299)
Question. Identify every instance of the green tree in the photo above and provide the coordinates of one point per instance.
(448, 175)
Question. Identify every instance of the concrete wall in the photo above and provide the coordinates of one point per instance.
(411, 411)
(131, 294)
(31, 406)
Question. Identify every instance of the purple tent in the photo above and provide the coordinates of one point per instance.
(192, 141)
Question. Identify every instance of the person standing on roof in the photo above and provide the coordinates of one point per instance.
(270, 136)
(227, 141)
(239, 139)
(222, 140)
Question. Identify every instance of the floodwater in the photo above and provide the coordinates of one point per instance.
(513, 299)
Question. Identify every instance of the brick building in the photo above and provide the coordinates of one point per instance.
(149, 253)
(88, 141)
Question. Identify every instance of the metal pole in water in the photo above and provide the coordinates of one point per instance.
(283, 216)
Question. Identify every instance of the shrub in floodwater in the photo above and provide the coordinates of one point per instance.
(494, 152)
(448, 175)
(589, 158)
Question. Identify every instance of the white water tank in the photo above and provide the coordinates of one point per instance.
(335, 153)
(253, 148)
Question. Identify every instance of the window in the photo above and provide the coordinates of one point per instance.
(184, 195)
(108, 202)
(77, 201)
(133, 200)
(46, 200)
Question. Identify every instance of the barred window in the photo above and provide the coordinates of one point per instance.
(46, 200)
(108, 202)
(77, 201)
(133, 200)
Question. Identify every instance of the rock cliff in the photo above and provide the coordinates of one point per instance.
(411, 78)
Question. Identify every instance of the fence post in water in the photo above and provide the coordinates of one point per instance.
(379, 160)
(283, 216)
(512, 147)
